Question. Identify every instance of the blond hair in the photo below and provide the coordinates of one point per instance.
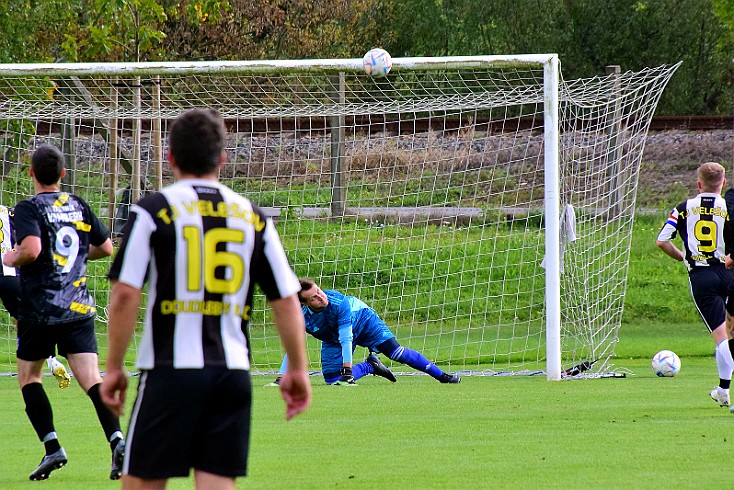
(711, 176)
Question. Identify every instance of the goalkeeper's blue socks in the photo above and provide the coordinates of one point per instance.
(358, 371)
(361, 370)
(416, 360)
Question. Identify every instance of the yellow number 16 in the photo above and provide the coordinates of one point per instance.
(213, 259)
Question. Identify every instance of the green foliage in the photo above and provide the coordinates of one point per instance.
(588, 35)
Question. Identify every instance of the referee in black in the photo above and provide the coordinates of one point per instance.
(701, 222)
(203, 248)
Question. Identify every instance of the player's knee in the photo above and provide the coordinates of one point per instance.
(331, 378)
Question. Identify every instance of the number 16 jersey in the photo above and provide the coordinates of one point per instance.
(202, 247)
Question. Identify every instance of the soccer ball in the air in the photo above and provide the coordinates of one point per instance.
(666, 364)
(377, 61)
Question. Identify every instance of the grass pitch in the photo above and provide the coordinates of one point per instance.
(487, 432)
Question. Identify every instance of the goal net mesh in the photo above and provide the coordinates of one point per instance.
(422, 193)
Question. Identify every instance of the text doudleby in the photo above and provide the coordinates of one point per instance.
(214, 308)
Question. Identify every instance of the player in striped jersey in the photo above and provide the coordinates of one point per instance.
(701, 223)
(9, 284)
(202, 248)
(56, 235)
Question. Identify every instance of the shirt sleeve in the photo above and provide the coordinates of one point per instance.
(99, 233)
(25, 221)
(346, 335)
(130, 265)
(272, 271)
(670, 227)
(729, 223)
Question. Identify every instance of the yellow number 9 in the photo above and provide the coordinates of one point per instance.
(705, 233)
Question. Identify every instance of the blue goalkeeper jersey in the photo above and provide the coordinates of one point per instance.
(346, 320)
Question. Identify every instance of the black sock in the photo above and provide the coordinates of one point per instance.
(38, 409)
(110, 423)
(52, 445)
(724, 383)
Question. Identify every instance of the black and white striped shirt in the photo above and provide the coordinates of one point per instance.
(203, 248)
(700, 221)
(6, 238)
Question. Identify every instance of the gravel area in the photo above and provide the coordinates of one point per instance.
(668, 171)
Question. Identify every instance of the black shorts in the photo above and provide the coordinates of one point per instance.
(39, 340)
(189, 418)
(10, 294)
(709, 286)
(730, 300)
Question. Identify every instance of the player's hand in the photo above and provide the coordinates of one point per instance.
(113, 389)
(728, 262)
(295, 388)
(346, 377)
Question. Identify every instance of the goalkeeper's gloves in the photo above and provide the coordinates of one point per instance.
(346, 378)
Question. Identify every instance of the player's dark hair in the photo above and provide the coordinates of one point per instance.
(306, 283)
(196, 141)
(47, 163)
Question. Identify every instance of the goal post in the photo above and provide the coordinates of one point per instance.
(482, 205)
(551, 131)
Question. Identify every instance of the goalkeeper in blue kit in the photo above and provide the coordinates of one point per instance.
(343, 322)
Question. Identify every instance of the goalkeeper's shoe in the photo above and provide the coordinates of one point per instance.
(720, 396)
(449, 378)
(117, 456)
(346, 378)
(49, 463)
(59, 372)
(379, 369)
(275, 383)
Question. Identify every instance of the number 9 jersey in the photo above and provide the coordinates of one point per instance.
(54, 286)
(701, 223)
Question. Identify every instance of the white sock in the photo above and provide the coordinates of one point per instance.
(724, 361)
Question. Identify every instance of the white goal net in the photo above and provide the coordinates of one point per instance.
(426, 193)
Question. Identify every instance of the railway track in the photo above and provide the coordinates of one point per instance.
(375, 124)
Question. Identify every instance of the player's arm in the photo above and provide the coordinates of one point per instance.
(294, 386)
(670, 249)
(280, 285)
(26, 252)
(28, 234)
(122, 316)
(100, 251)
(346, 338)
(666, 235)
(127, 276)
(100, 244)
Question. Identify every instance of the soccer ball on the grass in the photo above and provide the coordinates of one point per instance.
(377, 61)
(666, 364)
